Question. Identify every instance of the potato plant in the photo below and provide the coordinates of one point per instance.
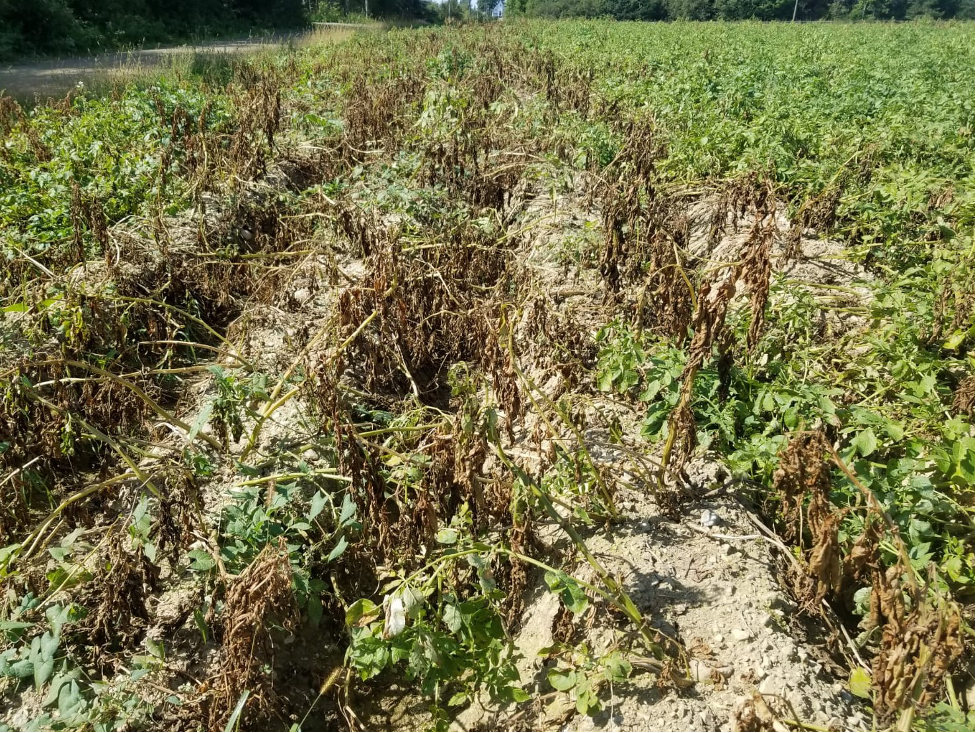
(292, 415)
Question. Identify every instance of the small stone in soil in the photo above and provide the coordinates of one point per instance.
(700, 671)
(741, 634)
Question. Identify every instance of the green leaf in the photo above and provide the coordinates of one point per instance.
(347, 512)
(574, 598)
(953, 343)
(562, 680)
(865, 443)
(8, 553)
(201, 622)
(201, 420)
(236, 713)
(338, 550)
(447, 536)
(583, 704)
(453, 618)
(894, 430)
(68, 576)
(316, 505)
(201, 560)
(69, 539)
(651, 391)
(569, 590)
(43, 671)
(156, 648)
(459, 698)
(315, 609)
(554, 580)
(14, 625)
(23, 668)
(54, 689)
(860, 683)
(49, 645)
(363, 608)
(70, 701)
(616, 667)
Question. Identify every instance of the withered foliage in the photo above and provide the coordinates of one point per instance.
(437, 304)
(117, 598)
(645, 236)
(512, 576)
(963, 397)
(10, 115)
(665, 303)
(375, 111)
(259, 119)
(755, 263)
(921, 634)
(259, 610)
(819, 213)
(805, 476)
(802, 472)
(921, 641)
(179, 515)
(709, 323)
(439, 288)
(741, 198)
(621, 215)
(753, 714)
(708, 328)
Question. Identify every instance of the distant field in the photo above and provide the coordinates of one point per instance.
(524, 375)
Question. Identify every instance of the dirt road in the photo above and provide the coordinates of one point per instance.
(53, 78)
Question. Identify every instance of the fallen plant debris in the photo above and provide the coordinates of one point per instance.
(516, 375)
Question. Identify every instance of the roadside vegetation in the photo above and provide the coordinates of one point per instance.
(286, 408)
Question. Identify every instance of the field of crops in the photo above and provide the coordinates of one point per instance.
(539, 375)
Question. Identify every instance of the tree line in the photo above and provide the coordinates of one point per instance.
(31, 27)
(745, 9)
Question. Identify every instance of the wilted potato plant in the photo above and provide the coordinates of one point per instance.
(290, 420)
